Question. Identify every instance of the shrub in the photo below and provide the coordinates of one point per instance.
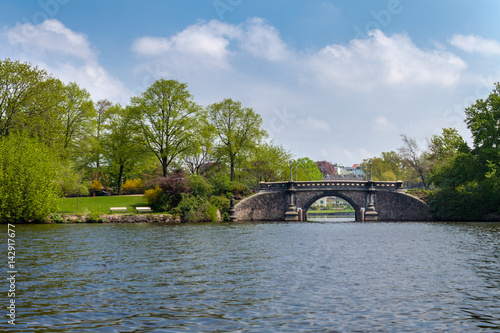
(152, 195)
(29, 174)
(192, 209)
(240, 190)
(222, 184)
(222, 203)
(199, 186)
(172, 187)
(96, 185)
(57, 219)
(133, 186)
(95, 217)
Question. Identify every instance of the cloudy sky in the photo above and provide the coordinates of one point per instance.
(333, 80)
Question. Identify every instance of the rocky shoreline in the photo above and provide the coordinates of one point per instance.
(135, 218)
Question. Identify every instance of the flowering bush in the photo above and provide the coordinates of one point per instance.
(133, 186)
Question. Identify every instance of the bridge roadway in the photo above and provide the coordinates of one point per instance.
(371, 200)
(339, 185)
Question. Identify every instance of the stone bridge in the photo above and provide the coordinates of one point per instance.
(371, 200)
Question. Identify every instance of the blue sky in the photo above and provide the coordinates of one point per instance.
(333, 80)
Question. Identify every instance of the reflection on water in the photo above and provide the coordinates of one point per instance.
(258, 277)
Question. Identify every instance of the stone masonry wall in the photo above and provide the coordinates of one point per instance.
(396, 206)
(270, 206)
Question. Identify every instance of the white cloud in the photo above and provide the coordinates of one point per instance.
(207, 41)
(263, 41)
(476, 44)
(313, 124)
(381, 59)
(49, 36)
(65, 54)
(211, 45)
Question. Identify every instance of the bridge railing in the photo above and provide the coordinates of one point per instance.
(332, 185)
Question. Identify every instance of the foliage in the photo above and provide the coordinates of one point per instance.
(238, 130)
(307, 170)
(73, 182)
(414, 159)
(222, 185)
(56, 218)
(165, 115)
(29, 102)
(133, 186)
(199, 186)
(469, 184)
(201, 151)
(95, 217)
(96, 185)
(268, 163)
(326, 168)
(192, 209)
(28, 178)
(152, 195)
(240, 190)
(122, 146)
(172, 187)
(223, 204)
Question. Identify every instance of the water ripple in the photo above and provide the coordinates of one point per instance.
(298, 277)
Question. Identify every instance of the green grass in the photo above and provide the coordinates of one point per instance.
(329, 211)
(100, 204)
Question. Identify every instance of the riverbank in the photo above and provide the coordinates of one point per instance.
(116, 218)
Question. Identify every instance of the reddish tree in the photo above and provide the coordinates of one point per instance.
(326, 168)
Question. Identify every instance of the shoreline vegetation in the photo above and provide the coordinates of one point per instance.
(189, 160)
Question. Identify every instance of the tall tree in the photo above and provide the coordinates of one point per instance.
(165, 114)
(121, 144)
(238, 129)
(101, 107)
(29, 100)
(307, 170)
(201, 152)
(77, 115)
(268, 162)
(414, 158)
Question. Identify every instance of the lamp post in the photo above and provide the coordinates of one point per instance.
(370, 169)
(291, 163)
(295, 173)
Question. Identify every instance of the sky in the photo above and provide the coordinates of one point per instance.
(333, 80)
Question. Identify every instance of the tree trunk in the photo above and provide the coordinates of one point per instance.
(232, 169)
(120, 173)
(164, 166)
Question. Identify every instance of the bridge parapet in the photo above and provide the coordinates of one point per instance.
(351, 185)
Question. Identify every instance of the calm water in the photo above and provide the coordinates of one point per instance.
(303, 277)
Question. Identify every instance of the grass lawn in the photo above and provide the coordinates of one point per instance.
(100, 204)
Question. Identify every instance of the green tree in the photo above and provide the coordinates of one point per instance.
(166, 114)
(77, 119)
(201, 151)
(238, 129)
(29, 100)
(122, 146)
(101, 107)
(307, 170)
(29, 173)
(269, 162)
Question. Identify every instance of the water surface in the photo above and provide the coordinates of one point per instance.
(258, 277)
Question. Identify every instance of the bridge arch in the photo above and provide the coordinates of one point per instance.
(316, 196)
